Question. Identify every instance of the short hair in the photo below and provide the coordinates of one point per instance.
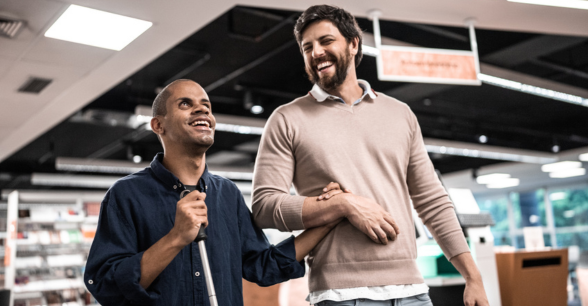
(159, 104)
(342, 19)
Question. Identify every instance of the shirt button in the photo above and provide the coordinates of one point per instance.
(197, 273)
(90, 282)
(175, 187)
(180, 185)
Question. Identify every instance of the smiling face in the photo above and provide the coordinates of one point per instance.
(328, 56)
(188, 121)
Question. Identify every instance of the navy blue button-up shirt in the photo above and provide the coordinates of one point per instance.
(140, 209)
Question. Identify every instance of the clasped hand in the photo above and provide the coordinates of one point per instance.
(365, 214)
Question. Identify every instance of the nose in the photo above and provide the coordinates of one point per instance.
(200, 108)
(317, 50)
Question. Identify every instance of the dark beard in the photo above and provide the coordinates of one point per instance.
(329, 83)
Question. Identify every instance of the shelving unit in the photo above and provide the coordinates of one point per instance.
(53, 234)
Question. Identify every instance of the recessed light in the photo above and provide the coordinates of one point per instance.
(483, 139)
(492, 178)
(505, 183)
(584, 157)
(137, 159)
(576, 4)
(96, 28)
(561, 166)
(568, 173)
(555, 149)
(256, 109)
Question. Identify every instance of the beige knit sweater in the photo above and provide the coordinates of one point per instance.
(374, 148)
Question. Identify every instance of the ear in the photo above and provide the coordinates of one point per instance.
(157, 126)
(354, 46)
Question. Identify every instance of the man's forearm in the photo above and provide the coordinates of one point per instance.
(306, 241)
(317, 213)
(464, 263)
(157, 258)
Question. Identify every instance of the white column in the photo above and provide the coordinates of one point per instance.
(10, 244)
(549, 217)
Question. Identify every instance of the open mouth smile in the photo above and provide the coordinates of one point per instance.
(201, 124)
(324, 66)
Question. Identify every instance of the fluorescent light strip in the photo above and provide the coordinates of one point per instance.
(511, 182)
(492, 178)
(488, 154)
(529, 89)
(561, 166)
(102, 166)
(239, 129)
(576, 4)
(71, 180)
(369, 50)
(568, 173)
(583, 157)
(96, 28)
(232, 175)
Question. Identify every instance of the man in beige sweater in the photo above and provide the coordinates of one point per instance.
(345, 132)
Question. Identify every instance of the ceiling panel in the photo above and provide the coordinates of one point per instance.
(67, 54)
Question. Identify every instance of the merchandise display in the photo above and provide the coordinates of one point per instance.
(53, 241)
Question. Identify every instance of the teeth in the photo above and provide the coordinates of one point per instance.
(195, 123)
(323, 64)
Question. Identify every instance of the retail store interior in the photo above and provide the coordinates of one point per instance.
(512, 152)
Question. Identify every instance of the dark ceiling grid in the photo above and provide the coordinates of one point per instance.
(251, 52)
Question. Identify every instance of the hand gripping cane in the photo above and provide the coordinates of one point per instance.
(200, 238)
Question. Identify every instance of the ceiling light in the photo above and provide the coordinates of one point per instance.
(576, 4)
(256, 109)
(538, 91)
(584, 157)
(556, 196)
(240, 129)
(103, 166)
(369, 50)
(505, 183)
(73, 180)
(483, 139)
(568, 173)
(492, 178)
(137, 159)
(96, 28)
(555, 149)
(488, 154)
(561, 166)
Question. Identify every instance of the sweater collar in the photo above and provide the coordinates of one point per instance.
(320, 95)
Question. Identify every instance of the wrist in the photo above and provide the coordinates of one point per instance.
(175, 240)
(475, 279)
(345, 204)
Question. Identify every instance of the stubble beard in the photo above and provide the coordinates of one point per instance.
(329, 83)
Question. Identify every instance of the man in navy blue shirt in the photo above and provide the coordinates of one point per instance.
(144, 251)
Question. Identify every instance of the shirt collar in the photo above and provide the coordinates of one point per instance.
(170, 180)
(320, 95)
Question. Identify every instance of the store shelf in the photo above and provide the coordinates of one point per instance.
(50, 285)
(27, 295)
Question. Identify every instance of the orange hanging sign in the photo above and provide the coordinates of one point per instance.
(426, 65)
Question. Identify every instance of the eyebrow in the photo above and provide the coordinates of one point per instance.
(320, 38)
(190, 99)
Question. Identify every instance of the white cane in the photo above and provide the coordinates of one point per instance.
(204, 256)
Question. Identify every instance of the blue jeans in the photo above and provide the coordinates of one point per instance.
(417, 300)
